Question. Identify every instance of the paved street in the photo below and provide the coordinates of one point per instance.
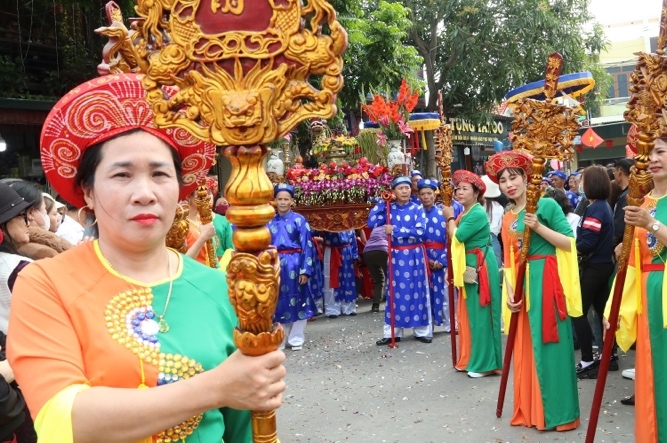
(344, 388)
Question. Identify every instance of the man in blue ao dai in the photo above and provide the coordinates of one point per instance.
(408, 274)
(340, 286)
(435, 236)
(291, 235)
(415, 177)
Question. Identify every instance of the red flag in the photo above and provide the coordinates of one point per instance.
(590, 138)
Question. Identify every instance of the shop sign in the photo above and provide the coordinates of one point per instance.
(466, 132)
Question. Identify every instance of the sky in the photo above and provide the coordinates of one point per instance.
(623, 11)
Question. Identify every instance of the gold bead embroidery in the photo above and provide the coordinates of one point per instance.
(173, 367)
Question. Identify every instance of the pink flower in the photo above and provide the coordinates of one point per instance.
(382, 139)
(404, 127)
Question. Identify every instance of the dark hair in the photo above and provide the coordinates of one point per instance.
(28, 191)
(560, 198)
(624, 165)
(597, 185)
(85, 175)
(480, 197)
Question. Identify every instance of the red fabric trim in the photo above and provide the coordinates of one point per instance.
(553, 298)
(434, 245)
(483, 275)
(320, 250)
(403, 247)
(289, 251)
(335, 263)
(653, 267)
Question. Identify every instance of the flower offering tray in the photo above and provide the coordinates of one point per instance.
(336, 218)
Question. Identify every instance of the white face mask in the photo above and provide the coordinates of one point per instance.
(47, 221)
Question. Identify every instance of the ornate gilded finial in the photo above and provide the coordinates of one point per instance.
(243, 72)
(546, 130)
(443, 155)
(176, 237)
(647, 110)
(205, 208)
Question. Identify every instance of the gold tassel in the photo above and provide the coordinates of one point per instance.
(143, 385)
(424, 145)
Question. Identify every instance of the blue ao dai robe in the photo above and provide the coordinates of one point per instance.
(408, 273)
(295, 301)
(316, 280)
(347, 291)
(436, 232)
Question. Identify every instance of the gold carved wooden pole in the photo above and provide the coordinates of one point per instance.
(546, 130)
(443, 158)
(242, 69)
(205, 210)
(647, 110)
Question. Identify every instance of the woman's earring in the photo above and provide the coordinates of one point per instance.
(78, 216)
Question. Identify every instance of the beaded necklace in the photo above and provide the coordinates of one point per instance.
(149, 326)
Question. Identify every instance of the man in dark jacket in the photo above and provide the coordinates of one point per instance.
(622, 179)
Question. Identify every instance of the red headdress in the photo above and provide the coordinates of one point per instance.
(103, 108)
(468, 177)
(508, 159)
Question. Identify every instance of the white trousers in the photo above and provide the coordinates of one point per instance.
(295, 333)
(421, 331)
(331, 306)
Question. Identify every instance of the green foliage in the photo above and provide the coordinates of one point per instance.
(475, 51)
(59, 49)
(13, 85)
(370, 148)
(377, 56)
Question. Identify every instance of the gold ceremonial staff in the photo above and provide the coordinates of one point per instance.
(243, 78)
(546, 130)
(205, 209)
(647, 110)
(443, 158)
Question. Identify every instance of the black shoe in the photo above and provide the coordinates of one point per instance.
(351, 314)
(589, 372)
(613, 363)
(375, 307)
(386, 341)
(628, 401)
(332, 316)
(424, 339)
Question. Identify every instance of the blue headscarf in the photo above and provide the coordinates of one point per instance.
(415, 172)
(283, 187)
(400, 181)
(559, 174)
(427, 183)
